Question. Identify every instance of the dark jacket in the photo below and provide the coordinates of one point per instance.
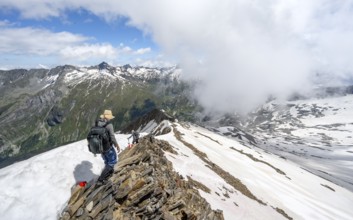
(135, 135)
(110, 128)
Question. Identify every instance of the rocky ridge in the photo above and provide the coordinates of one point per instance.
(143, 123)
(143, 186)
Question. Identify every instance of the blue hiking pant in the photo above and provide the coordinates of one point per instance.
(109, 157)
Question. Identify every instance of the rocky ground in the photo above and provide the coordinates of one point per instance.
(144, 186)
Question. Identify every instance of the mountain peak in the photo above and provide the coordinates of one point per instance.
(126, 67)
(103, 65)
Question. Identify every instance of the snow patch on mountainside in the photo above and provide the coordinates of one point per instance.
(50, 80)
(316, 133)
(120, 74)
(83, 74)
(337, 110)
(299, 193)
(39, 187)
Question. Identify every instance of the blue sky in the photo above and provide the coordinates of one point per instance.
(129, 44)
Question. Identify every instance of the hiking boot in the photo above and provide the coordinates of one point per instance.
(106, 173)
(101, 183)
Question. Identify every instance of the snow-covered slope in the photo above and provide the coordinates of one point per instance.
(245, 182)
(315, 133)
(38, 188)
(277, 182)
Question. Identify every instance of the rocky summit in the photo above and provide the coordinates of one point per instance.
(143, 186)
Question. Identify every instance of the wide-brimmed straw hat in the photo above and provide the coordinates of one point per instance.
(107, 114)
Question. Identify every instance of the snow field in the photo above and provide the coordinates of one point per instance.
(188, 164)
(39, 187)
(299, 193)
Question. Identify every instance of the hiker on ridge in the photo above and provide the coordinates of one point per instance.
(109, 156)
(135, 137)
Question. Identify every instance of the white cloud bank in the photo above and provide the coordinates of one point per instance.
(143, 50)
(35, 41)
(65, 47)
(87, 51)
(241, 50)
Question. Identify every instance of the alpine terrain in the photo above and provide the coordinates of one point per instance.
(288, 159)
(180, 170)
(41, 109)
(314, 132)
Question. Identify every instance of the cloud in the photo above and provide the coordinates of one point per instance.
(244, 51)
(143, 50)
(43, 66)
(156, 62)
(65, 46)
(240, 50)
(87, 51)
(39, 10)
(35, 41)
(25, 47)
(4, 23)
(125, 49)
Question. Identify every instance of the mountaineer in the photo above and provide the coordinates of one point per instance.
(101, 140)
(135, 137)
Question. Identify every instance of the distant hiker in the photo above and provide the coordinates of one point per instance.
(101, 139)
(135, 137)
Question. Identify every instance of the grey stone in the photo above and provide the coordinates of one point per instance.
(101, 206)
(95, 194)
(65, 216)
(179, 204)
(79, 212)
(144, 187)
(128, 161)
(76, 192)
(148, 171)
(73, 208)
(89, 206)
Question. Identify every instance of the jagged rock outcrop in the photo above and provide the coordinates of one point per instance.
(156, 115)
(144, 186)
(55, 116)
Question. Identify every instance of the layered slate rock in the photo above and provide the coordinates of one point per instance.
(143, 186)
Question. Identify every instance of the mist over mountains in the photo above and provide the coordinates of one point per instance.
(45, 108)
(243, 51)
(297, 144)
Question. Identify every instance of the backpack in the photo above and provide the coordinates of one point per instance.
(99, 139)
(136, 135)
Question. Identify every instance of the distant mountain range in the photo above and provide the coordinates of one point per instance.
(41, 109)
(44, 108)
